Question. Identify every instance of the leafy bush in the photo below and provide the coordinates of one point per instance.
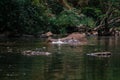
(69, 18)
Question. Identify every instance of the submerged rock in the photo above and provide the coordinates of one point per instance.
(100, 54)
(33, 53)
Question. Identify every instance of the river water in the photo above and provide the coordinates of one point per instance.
(65, 62)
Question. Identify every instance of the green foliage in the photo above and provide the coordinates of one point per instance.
(92, 12)
(88, 21)
(21, 17)
(69, 18)
(54, 6)
(38, 16)
(65, 19)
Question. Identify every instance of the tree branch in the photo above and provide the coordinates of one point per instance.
(112, 21)
(65, 4)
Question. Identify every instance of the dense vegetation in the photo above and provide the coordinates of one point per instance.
(59, 16)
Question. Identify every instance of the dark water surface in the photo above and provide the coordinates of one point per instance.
(64, 63)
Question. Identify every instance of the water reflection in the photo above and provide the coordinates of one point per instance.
(65, 62)
(97, 68)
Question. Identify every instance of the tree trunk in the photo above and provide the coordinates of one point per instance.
(106, 30)
(65, 4)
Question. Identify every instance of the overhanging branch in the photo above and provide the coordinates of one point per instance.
(112, 21)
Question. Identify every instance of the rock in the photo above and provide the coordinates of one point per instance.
(34, 53)
(100, 54)
(74, 38)
(49, 34)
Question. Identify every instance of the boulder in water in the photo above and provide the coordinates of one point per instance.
(34, 53)
(74, 38)
(100, 54)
